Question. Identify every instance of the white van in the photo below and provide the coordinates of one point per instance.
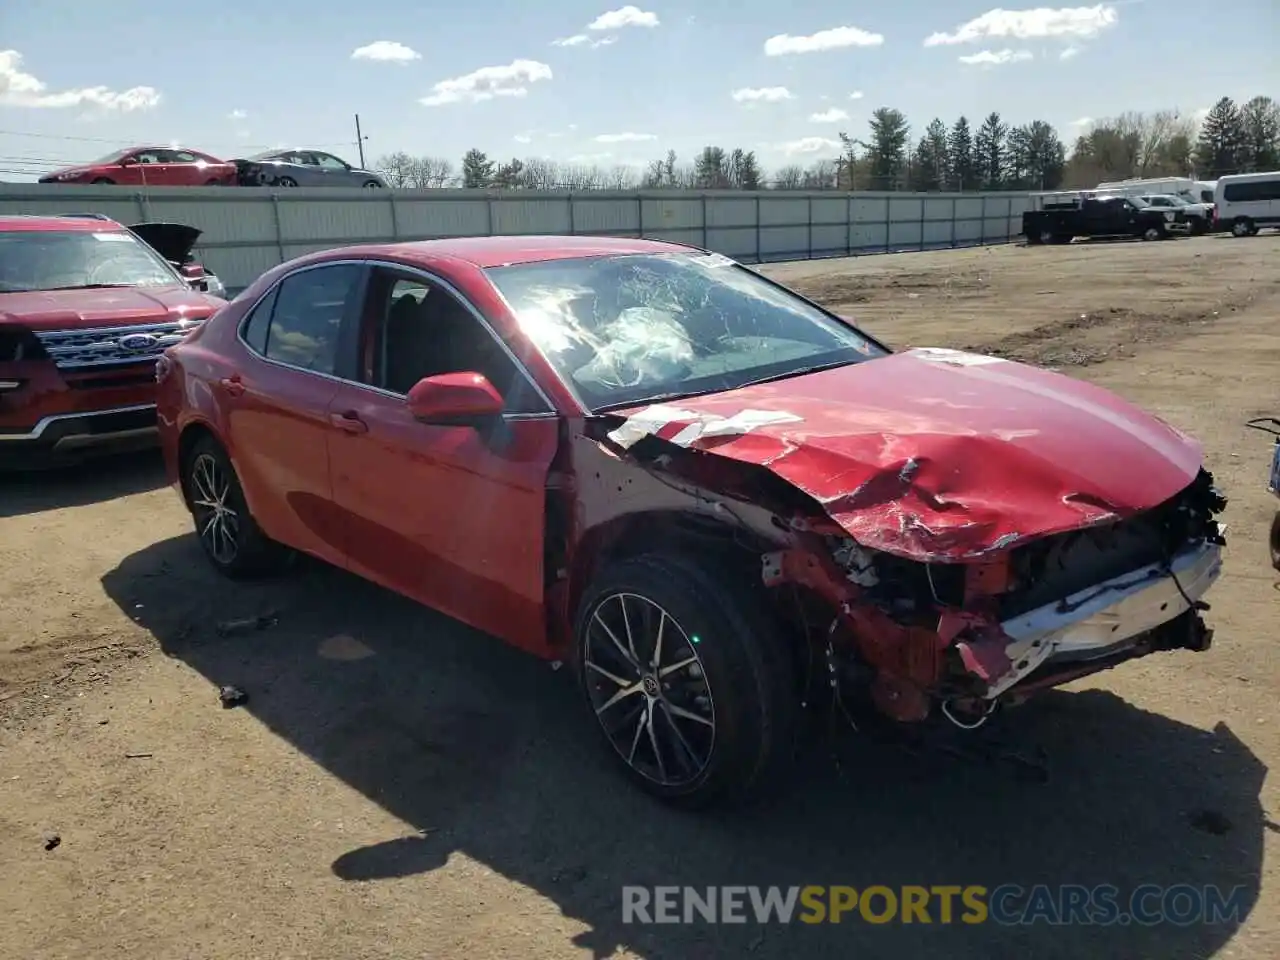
(1192, 191)
(1247, 202)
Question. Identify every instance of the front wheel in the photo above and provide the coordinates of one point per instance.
(1155, 233)
(1243, 227)
(372, 185)
(286, 182)
(690, 684)
(229, 535)
(103, 180)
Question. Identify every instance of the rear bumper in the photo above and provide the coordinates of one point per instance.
(68, 436)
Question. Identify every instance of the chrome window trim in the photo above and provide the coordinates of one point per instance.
(549, 413)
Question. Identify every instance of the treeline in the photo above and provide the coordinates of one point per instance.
(991, 155)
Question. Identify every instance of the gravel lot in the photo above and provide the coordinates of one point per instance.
(399, 786)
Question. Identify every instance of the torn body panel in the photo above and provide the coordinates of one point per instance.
(1000, 528)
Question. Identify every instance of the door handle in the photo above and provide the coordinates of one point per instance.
(349, 421)
(232, 384)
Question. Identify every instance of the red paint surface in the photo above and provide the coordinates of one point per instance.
(204, 170)
(940, 461)
(111, 307)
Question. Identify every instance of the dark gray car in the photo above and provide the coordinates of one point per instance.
(303, 168)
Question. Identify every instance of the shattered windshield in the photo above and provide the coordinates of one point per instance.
(627, 329)
(68, 259)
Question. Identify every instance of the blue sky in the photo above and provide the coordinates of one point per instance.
(78, 78)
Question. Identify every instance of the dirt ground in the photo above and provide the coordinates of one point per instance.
(399, 786)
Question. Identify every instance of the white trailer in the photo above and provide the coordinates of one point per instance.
(1193, 191)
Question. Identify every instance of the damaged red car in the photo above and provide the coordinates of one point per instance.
(708, 494)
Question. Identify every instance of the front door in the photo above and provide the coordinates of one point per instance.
(451, 515)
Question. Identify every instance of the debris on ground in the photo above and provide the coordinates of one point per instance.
(227, 628)
(51, 840)
(138, 756)
(232, 697)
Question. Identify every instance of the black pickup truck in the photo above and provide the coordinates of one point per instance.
(1061, 220)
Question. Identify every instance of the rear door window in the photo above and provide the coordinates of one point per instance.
(307, 316)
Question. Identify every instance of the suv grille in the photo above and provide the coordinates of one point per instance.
(113, 346)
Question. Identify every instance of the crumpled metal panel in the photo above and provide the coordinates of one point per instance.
(938, 455)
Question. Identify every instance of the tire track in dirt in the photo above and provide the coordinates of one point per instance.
(1113, 334)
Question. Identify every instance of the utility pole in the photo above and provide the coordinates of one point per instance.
(360, 142)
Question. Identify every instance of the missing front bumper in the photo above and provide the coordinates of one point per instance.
(1104, 620)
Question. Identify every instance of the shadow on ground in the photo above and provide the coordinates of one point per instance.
(94, 480)
(487, 752)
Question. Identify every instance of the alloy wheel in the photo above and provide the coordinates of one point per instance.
(649, 690)
(217, 522)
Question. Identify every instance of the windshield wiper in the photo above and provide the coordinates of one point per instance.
(92, 286)
(798, 372)
(656, 398)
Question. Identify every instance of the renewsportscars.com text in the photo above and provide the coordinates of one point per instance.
(1008, 904)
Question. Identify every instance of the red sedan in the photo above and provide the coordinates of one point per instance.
(151, 167)
(711, 496)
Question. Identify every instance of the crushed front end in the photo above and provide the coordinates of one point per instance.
(963, 637)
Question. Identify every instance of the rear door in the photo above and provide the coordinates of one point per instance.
(451, 515)
(278, 403)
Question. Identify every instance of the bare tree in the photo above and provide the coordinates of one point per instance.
(790, 177)
(541, 173)
(396, 168)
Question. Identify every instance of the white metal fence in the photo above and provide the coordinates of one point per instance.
(248, 230)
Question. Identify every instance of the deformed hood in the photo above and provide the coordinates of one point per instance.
(939, 455)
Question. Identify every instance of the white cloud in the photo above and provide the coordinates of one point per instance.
(624, 137)
(522, 138)
(1042, 23)
(809, 145)
(834, 39)
(627, 16)
(20, 89)
(510, 80)
(582, 40)
(589, 157)
(1082, 122)
(1068, 53)
(237, 115)
(834, 115)
(386, 51)
(856, 95)
(993, 58)
(762, 94)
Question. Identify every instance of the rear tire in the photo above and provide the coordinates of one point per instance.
(228, 533)
(286, 182)
(708, 715)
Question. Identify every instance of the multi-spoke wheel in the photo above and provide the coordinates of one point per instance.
(231, 538)
(689, 684)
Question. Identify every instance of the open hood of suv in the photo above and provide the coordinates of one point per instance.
(173, 241)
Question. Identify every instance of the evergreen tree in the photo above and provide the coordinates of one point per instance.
(1221, 145)
(477, 169)
(888, 148)
(929, 170)
(989, 147)
(1260, 134)
(960, 170)
(711, 169)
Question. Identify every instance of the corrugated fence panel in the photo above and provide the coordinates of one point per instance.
(246, 231)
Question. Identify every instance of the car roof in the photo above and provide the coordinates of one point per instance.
(65, 222)
(503, 251)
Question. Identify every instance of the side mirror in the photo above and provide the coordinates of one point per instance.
(127, 161)
(454, 398)
(192, 271)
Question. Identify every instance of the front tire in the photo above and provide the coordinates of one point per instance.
(1155, 233)
(1243, 227)
(689, 679)
(286, 182)
(228, 533)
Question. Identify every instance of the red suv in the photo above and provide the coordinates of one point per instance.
(85, 309)
(151, 167)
